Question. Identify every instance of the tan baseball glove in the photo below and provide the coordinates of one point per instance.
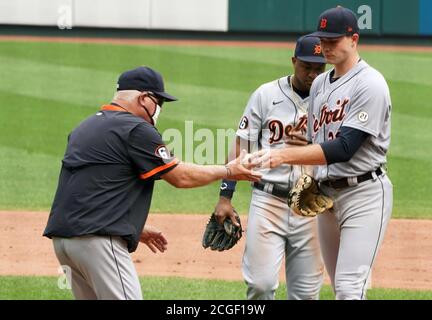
(306, 199)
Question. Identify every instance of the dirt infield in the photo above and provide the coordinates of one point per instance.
(405, 260)
(210, 43)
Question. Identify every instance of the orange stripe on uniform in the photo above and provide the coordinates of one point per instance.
(159, 169)
(110, 107)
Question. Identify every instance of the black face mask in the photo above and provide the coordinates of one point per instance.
(155, 116)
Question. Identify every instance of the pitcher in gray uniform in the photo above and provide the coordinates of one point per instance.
(275, 116)
(349, 126)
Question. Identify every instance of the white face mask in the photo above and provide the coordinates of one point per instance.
(156, 114)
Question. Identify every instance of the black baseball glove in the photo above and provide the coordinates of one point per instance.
(221, 237)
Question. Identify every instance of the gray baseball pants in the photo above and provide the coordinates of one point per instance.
(351, 234)
(275, 233)
(101, 267)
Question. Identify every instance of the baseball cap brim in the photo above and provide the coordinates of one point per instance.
(313, 59)
(323, 34)
(165, 96)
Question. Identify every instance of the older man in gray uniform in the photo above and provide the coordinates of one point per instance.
(349, 125)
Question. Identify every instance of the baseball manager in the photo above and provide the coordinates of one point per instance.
(106, 183)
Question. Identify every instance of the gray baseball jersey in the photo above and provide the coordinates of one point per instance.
(274, 110)
(351, 233)
(361, 100)
(274, 232)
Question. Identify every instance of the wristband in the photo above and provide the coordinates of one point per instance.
(227, 188)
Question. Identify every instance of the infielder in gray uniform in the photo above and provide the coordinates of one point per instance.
(349, 126)
(274, 117)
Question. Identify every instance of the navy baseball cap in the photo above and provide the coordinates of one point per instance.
(144, 79)
(308, 49)
(336, 22)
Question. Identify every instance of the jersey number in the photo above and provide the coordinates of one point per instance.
(162, 152)
(243, 123)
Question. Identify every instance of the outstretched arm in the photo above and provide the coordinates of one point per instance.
(188, 175)
(309, 155)
(341, 149)
(224, 208)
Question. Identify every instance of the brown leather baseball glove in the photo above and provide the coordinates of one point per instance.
(306, 199)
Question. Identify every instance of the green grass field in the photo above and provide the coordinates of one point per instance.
(46, 89)
(173, 288)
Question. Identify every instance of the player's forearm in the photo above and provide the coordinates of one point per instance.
(193, 175)
(238, 145)
(227, 187)
(309, 155)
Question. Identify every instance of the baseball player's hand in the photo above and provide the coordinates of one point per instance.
(296, 138)
(240, 168)
(269, 158)
(224, 210)
(154, 239)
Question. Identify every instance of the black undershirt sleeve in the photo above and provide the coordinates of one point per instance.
(344, 146)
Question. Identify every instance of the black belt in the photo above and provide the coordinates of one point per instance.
(343, 183)
(276, 191)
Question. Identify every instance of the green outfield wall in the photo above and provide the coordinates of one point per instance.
(375, 17)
